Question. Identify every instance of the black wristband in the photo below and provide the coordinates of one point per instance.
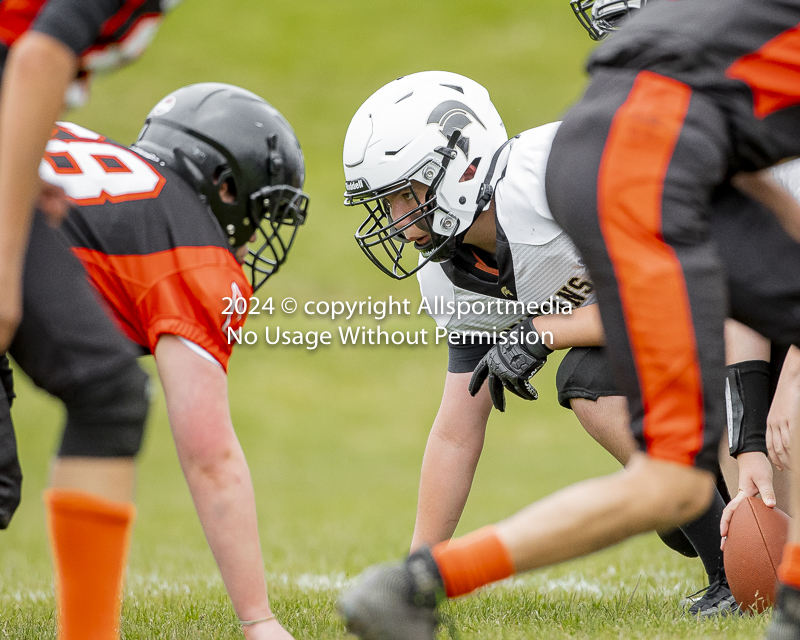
(747, 400)
(533, 345)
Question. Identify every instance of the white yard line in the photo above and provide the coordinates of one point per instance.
(154, 585)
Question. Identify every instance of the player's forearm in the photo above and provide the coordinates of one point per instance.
(216, 471)
(743, 343)
(223, 496)
(37, 74)
(790, 372)
(448, 468)
(581, 328)
(451, 456)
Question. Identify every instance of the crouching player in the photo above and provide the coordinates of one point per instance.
(760, 390)
(512, 259)
(489, 225)
(162, 230)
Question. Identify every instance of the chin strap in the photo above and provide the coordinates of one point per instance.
(448, 153)
(486, 191)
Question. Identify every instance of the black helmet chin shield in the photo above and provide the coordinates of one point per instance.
(213, 134)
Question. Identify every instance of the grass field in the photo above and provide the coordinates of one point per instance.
(334, 436)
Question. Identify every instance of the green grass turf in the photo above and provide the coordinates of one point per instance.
(335, 436)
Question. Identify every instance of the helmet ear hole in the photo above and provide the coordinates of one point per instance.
(469, 173)
(226, 183)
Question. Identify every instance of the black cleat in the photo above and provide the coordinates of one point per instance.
(785, 623)
(395, 602)
(715, 599)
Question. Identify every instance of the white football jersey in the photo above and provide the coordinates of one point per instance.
(536, 260)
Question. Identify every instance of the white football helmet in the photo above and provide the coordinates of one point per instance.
(601, 17)
(437, 128)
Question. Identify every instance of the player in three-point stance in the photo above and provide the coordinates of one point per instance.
(513, 260)
(162, 230)
(674, 381)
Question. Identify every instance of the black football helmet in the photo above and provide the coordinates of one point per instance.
(601, 17)
(213, 133)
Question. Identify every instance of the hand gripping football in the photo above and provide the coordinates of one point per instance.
(753, 551)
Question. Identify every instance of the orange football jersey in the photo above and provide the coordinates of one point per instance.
(150, 245)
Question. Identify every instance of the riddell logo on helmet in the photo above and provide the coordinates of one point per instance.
(452, 115)
(356, 185)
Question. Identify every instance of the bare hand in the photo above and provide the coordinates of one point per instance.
(755, 477)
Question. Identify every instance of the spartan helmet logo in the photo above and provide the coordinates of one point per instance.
(452, 115)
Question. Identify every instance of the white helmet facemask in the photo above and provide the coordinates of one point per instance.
(434, 128)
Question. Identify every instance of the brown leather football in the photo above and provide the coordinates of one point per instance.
(753, 553)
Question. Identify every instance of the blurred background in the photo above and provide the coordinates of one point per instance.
(334, 436)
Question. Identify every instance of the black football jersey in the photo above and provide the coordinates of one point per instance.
(743, 54)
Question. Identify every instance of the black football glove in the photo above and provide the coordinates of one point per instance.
(511, 364)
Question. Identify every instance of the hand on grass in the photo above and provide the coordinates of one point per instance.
(269, 630)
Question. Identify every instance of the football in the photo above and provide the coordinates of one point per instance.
(753, 552)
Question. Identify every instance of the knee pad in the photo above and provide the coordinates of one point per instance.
(747, 400)
(106, 417)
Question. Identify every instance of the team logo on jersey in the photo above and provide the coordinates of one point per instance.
(452, 115)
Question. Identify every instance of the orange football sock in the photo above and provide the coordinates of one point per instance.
(473, 561)
(789, 571)
(89, 539)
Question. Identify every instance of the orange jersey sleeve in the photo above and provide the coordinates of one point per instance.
(181, 292)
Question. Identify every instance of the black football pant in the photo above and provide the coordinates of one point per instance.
(69, 346)
(634, 174)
